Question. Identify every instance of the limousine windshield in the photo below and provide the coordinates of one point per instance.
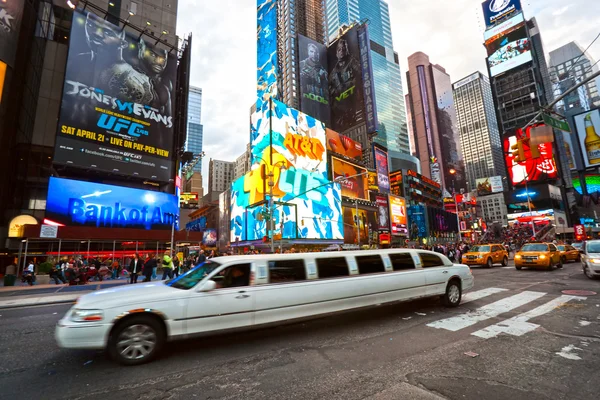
(193, 276)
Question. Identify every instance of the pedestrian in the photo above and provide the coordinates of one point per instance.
(149, 267)
(201, 258)
(115, 270)
(167, 264)
(154, 276)
(176, 266)
(135, 267)
(56, 275)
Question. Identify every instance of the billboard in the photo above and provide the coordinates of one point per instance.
(345, 82)
(314, 87)
(343, 145)
(367, 221)
(78, 203)
(587, 126)
(383, 173)
(209, 237)
(528, 163)
(353, 186)
(489, 185)
(11, 13)
(580, 233)
(504, 26)
(116, 113)
(383, 213)
(569, 150)
(417, 218)
(497, 10)
(189, 200)
(398, 215)
(267, 69)
(396, 186)
(372, 181)
(364, 44)
(511, 49)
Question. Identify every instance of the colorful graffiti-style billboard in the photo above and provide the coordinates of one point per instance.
(266, 60)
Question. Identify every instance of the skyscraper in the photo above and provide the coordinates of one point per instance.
(194, 127)
(220, 175)
(479, 136)
(434, 124)
(391, 113)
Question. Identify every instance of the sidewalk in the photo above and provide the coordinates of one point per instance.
(25, 296)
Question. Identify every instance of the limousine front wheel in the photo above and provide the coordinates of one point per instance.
(136, 340)
(453, 294)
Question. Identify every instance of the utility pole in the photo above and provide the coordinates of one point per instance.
(357, 221)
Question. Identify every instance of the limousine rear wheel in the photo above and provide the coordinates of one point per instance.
(136, 340)
(453, 294)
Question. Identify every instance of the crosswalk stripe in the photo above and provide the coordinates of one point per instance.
(486, 312)
(479, 294)
(518, 325)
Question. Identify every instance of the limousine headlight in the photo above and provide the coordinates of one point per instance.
(79, 315)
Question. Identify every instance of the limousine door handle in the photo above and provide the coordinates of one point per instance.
(445, 272)
(242, 295)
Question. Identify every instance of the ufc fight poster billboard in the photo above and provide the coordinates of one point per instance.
(314, 88)
(117, 107)
(11, 13)
(345, 82)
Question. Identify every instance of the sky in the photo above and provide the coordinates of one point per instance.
(450, 32)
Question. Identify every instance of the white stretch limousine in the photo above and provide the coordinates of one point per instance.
(133, 322)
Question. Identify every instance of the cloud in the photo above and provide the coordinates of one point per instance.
(560, 11)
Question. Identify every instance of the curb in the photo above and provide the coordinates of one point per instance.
(50, 303)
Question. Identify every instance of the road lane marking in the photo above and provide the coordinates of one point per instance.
(486, 312)
(479, 294)
(518, 325)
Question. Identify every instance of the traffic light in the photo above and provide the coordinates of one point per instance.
(518, 151)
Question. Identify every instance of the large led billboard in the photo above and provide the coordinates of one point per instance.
(527, 163)
(314, 86)
(489, 185)
(343, 145)
(117, 109)
(588, 130)
(504, 26)
(347, 174)
(497, 10)
(78, 203)
(383, 172)
(345, 82)
(508, 51)
(267, 69)
(11, 13)
(396, 183)
(398, 215)
(367, 221)
(383, 213)
(417, 218)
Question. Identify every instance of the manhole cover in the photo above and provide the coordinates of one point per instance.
(579, 292)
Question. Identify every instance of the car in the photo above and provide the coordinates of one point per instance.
(486, 254)
(532, 255)
(578, 246)
(134, 322)
(590, 259)
(568, 253)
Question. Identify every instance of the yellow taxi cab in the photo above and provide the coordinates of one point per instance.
(536, 255)
(568, 253)
(486, 254)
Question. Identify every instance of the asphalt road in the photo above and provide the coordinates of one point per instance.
(551, 351)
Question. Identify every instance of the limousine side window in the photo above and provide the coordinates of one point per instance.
(431, 260)
(286, 271)
(401, 261)
(236, 275)
(332, 267)
(370, 264)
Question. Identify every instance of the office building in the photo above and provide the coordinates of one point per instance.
(570, 62)
(389, 95)
(194, 127)
(493, 209)
(479, 136)
(242, 164)
(220, 175)
(435, 137)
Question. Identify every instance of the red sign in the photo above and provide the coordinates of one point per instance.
(423, 178)
(579, 232)
(343, 145)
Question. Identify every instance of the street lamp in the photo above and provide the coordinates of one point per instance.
(452, 172)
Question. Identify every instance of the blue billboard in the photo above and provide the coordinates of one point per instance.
(417, 220)
(78, 203)
(266, 68)
(497, 10)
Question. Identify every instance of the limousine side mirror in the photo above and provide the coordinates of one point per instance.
(208, 286)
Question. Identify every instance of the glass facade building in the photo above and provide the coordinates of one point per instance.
(194, 127)
(391, 112)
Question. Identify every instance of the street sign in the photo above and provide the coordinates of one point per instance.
(556, 123)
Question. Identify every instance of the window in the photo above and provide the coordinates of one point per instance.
(236, 275)
(286, 271)
(332, 267)
(370, 264)
(402, 261)
(431, 260)
(552, 247)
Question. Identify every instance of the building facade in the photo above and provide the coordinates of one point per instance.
(493, 209)
(194, 127)
(479, 136)
(220, 175)
(242, 164)
(391, 112)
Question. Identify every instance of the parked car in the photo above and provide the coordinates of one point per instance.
(535, 255)
(133, 322)
(568, 253)
(590, 259)
(486, 254)
(578, 246)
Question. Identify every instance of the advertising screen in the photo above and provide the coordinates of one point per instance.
(489, 185)
(364, 44)
(10, 23)
(381, 165)
(372, 181)
(417, 219)
(352, 186)
(368, 225)
(569, 149)
(116, 113)
(209, 237)
(398, 215)
(528, 163)
(383, 213)
(343, 145)
(508, 51)
(267, 67)
(588, 130)
(188, 200)
(345, 82)
(396, 186)
(504, 26)
(314, 87)
(442, 220)
(78, 203)
(497, 10)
